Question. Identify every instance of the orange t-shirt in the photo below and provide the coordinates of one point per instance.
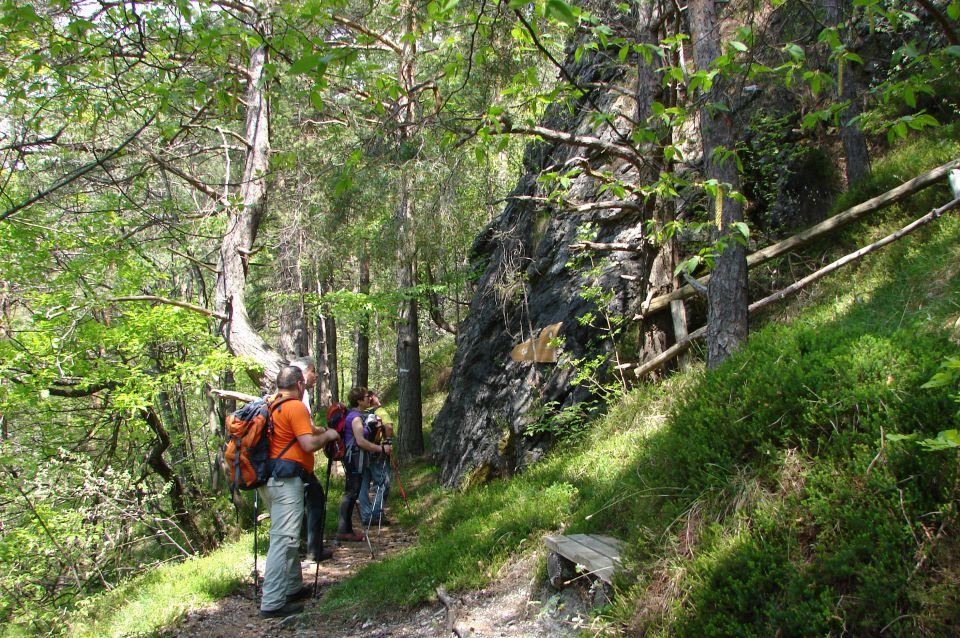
(290, 420)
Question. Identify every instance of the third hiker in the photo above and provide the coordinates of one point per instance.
(359, 449)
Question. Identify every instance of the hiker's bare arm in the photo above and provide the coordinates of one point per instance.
(369, 446)
(231, 394)
(313, 442)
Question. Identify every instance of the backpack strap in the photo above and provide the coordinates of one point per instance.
(271, 408)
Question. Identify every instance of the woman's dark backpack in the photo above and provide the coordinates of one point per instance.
(337, 421)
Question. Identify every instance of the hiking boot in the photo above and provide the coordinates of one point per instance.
(301, 594)
(325, 554)
(289, 609)
(352, 537)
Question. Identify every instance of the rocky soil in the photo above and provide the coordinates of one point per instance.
(514, 606)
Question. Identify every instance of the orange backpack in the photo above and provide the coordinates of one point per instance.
(247, 462)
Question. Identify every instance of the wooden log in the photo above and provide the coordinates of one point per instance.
(684, 344)
(600, 555)
(814, 232)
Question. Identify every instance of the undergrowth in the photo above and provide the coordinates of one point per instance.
(144, 605)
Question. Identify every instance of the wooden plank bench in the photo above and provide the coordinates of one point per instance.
(598, 554)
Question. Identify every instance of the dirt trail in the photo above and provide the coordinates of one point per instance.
(512, 607)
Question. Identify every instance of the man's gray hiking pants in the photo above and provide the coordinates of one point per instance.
(281, 575)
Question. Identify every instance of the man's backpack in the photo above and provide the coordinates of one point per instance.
(337, 421)
(247, 454)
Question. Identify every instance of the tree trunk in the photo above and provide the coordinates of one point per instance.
(727, 290)
(855, 149)
(241, 233)
(178, 493)
(328, 384)
(362, 377)
(661, 258)
(323, 393)
(410, 409)
(294, 337)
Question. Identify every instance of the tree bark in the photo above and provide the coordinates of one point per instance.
(727, 290)
(242, 224)
(328, 389)
(294, 337)
(855, 149)
(410, 409)
(362, 377)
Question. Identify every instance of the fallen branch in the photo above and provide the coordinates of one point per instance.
(451, 606)
(599, 246)
(814, 232)
(682, 345)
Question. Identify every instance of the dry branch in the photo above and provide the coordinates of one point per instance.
(172, 302)
(451, 606)
(78, 173)
(616, 246)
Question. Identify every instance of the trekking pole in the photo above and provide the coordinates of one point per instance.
(376, 499)
(396, 472)
(366, 537)
(256, 575)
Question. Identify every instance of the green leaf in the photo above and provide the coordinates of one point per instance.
(561, 11)
(950, 436)
(945, 440)
(896, 438)
(910, 98)
(795, 51)
(739, 46)
(304, 64)
(688, 266)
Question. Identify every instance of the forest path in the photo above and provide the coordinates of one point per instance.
(511, 607)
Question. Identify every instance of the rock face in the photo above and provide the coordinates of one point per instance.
(532, 278)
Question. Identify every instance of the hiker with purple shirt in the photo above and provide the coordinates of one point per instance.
(359, 450)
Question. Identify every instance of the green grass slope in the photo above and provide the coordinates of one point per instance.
(770, 497)
(772, 500)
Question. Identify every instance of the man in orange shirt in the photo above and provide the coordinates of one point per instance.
(292, 444)
(316, 499)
